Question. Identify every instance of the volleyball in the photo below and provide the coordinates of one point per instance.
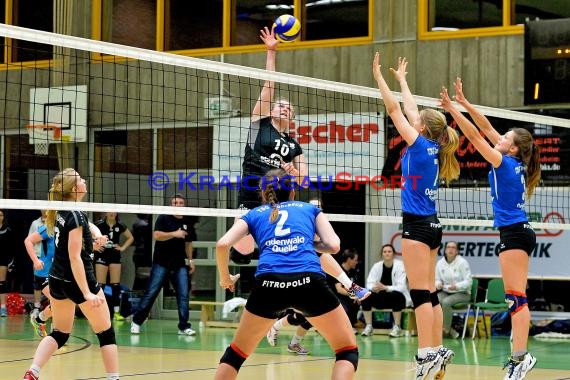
(287, 28)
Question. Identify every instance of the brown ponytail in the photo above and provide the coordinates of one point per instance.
(276, 187)
(448, 139)
(529, 154)
(448, 164)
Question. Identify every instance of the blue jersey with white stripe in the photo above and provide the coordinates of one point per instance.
(48, 250)
(420, 172)
(508, 192)
(286, 246)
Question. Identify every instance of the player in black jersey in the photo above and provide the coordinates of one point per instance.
(72, 279)
(108, 258)
(269, 145)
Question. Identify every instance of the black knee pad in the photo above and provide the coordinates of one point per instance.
(3, 287)
(350, 354)
(107, 337)
(59, 337)
(434, 299)
(419, 297)
(238, 258)
(234, 357)
(306, 325)
(296, 319)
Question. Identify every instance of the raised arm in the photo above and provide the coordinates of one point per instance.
(408, 133)
(492, 156)
(410, 106)
(262, 107)
(480, 120)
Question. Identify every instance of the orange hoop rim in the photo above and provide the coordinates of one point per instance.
(50, 127)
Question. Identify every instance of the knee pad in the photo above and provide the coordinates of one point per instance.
(306, 325)
(107, 337)
(419, 297)
(3, 287)
(350, 354)
(238, 258)
(434, 299)
(233, 356)
(116, 292)
(59, 337)
(515, 300)
(296, 319)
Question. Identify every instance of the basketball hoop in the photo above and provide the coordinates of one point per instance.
(41, 135)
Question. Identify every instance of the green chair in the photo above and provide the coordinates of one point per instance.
(494, 301)
(468, 305)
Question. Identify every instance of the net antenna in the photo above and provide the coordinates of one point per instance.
(41, 135)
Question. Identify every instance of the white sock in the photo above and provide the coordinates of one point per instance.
(3, 306)
(116, 308)
(344, 280)
(37, 305)
(296, 339)
(422, 352)
(112, 376)
(277, 325)
(35, 370)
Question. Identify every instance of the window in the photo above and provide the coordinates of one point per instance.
(193, 25)
(129, 22)
(179, 25)
(335, 19)
(441, 19)
(3, 20)
(251, 16)
(34, 15)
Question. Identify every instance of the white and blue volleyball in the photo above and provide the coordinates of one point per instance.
(287, 28)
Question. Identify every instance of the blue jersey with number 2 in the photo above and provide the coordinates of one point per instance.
(286, 245)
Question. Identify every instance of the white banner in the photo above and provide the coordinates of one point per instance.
(550, 259)
(351, 144)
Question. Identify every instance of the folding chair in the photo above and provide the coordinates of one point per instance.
(494, 301)
(468, 305)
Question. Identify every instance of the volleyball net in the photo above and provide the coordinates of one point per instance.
(142, 125)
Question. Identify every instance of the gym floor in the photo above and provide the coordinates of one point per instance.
(159, 353)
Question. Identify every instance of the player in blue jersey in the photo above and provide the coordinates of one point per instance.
(42, 265)
(514, 174)
(72, 280)
(288, 275)
(428, 159)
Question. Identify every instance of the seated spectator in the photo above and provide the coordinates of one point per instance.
(453, 281)
(387, 281)
(349, 261)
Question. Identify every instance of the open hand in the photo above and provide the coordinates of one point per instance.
(268, 38)
(401, 73)
(459, 96)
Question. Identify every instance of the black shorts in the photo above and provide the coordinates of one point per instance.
(60, 289)
(5, 259)
(517, 236)
(307, 292)
(40, 282)
(425, 229)
(108, 256)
